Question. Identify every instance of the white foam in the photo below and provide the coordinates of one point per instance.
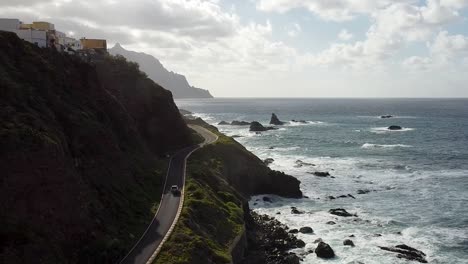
(307, 123)
(379, 146)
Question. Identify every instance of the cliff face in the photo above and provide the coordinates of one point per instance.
(174, 82)
(80, 172)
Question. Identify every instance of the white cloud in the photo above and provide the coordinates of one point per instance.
(330, 10)
(392, 29)
(345, 35)
(417, 63)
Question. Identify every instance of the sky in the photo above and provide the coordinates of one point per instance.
(282, 48)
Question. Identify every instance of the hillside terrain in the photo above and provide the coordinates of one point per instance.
(83, 154)
(174, 82)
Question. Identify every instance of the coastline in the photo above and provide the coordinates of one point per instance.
(305, 253)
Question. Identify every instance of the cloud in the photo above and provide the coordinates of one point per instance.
(345, 35)
(393, 28)
(330, 10)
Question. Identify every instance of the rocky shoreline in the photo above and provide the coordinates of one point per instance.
(270, 242)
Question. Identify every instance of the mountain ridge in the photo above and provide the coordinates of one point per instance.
(172, 81)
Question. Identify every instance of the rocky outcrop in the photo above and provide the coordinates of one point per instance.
(306, 230)
(247, 173)
(299, 121)
(348, 242)
(268, 161)
(269, 242)
(386, 116)
(407, 252)
(294, 210)
(340, 212)
(223, 123)
(257, 127)
(240, 123)
(395, 127)
(322, 174)
(324, 251)
(275, 120)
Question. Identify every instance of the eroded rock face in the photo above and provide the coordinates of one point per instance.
(275, 120)
(324, 251)
(407, 252)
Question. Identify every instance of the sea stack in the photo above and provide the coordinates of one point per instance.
(275, 120)
(257, 127)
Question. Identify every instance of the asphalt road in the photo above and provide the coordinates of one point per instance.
(169, 205)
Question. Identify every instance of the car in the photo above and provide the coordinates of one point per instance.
(175, 190)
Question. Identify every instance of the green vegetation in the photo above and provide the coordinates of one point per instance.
(212, 216)
(82, 154)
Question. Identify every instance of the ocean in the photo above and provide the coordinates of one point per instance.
(415, 180)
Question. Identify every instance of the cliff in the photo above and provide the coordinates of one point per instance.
(221, 177)
(174, 82)
(82, 155)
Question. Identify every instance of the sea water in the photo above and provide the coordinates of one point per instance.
(417, 176)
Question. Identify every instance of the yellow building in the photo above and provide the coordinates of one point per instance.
(38, 25)
(97, 44)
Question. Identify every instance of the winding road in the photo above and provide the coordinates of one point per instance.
(149, 245)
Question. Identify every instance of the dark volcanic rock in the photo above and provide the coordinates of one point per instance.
(407, 252)
(267, 199)
(306, 230)
(324, 250)
(257, 127)
(340, 212)
(223, 123)
(321, 173)
(299, 121)
(331, 223)
(363, 191)
(240, 123)
(294, 210)
(292, 259)
(275, 120)
(395, 128)
(293, 231)
(268, 161)
(386, 116)
(348, 242)
(269, 242)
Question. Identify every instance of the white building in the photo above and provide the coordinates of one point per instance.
(9, 24)
(37, 37)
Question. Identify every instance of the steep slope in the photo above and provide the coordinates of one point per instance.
(220, 179)
(80, 152)
(176, 83)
